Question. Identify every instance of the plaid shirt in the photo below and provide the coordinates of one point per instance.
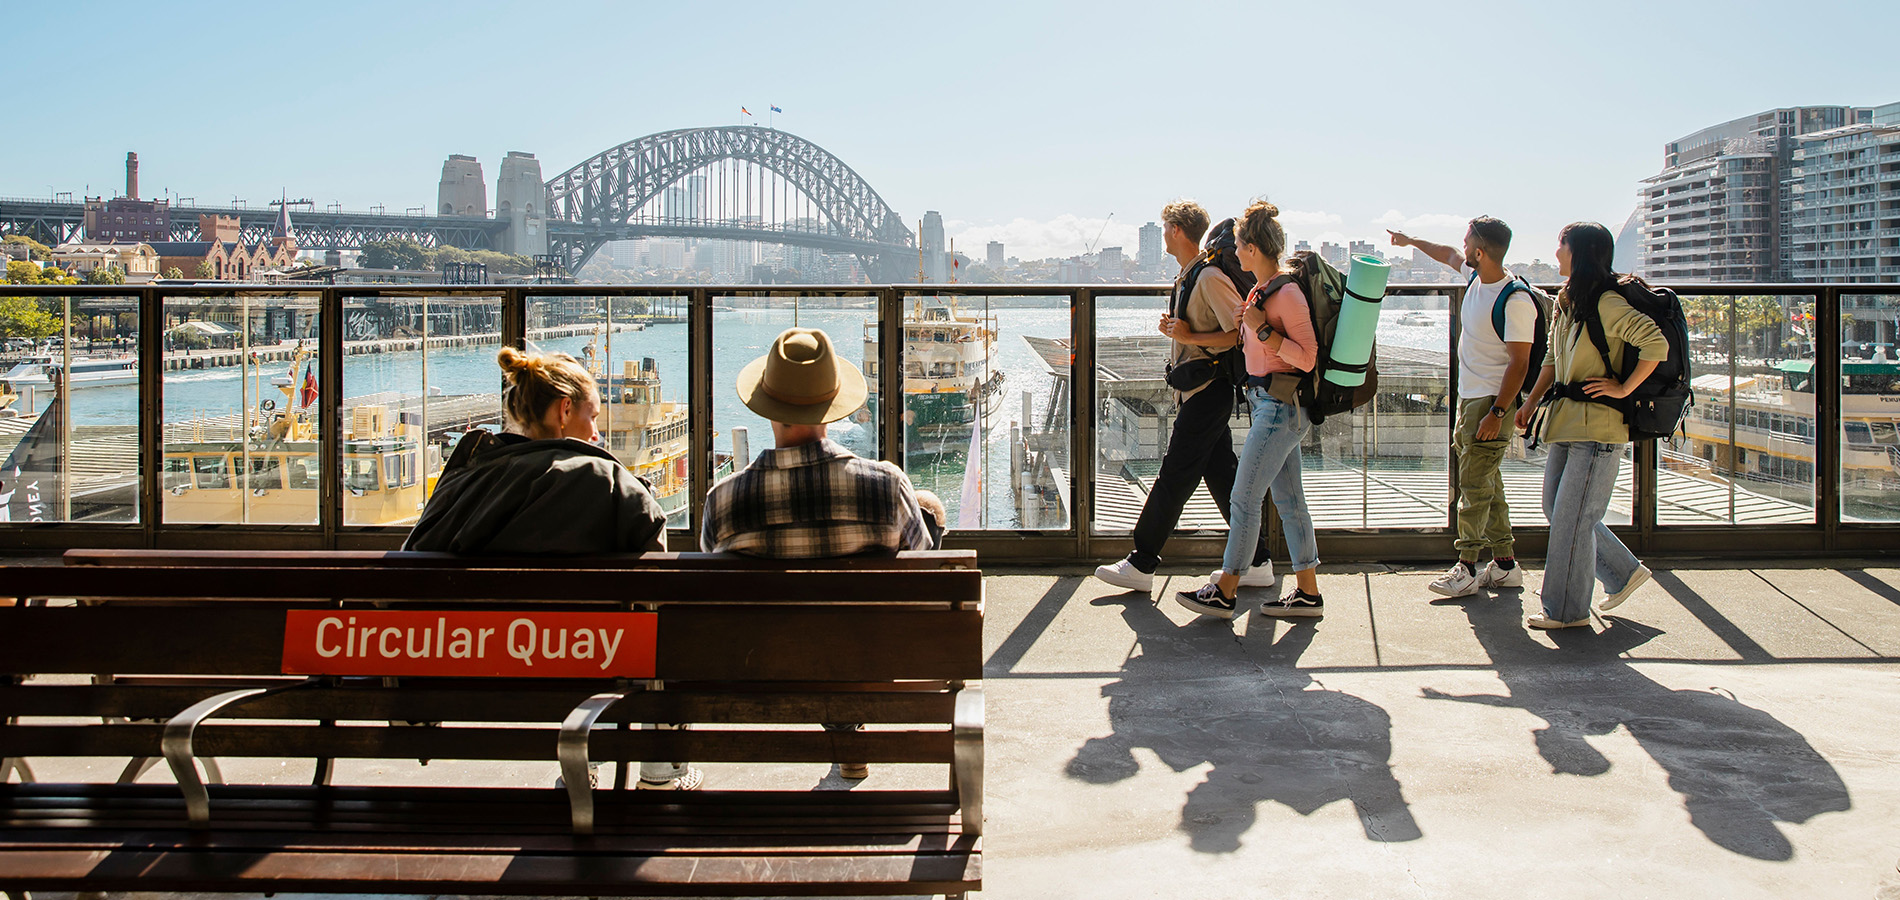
(813, 501)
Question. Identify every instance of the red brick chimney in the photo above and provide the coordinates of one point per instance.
(132, 176)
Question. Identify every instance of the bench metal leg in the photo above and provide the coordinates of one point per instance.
(571, 750)
(176, 744)
(136, 768)
(967, 750)
(15, 764)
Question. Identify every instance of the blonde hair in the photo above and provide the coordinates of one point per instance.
(1188, 216)
(1260, 226)
(535, 381)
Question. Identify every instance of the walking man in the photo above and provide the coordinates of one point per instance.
(1200, 320)
(1491, 369)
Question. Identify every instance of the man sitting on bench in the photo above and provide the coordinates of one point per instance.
(808, 497)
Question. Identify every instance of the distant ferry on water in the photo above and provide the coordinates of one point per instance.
(91, 371)
(649, 436)
(949, 384)
(1773, 427)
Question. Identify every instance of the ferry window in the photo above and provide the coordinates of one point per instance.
(619, 441)
(211, 472)
(401, 469)
(302, 474)
(266, 474)
(1882, 432)
(1857, 432)
(360, 475)
(177, 472)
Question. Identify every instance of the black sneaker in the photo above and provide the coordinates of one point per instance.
(1207, 601)
(1298, 603)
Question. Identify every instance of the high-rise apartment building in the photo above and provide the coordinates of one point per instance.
(1718, 211)
(993, 256)
(1150, 248)
(1843, 221)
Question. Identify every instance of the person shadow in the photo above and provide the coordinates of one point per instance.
(1740, 770)
(1198, 693)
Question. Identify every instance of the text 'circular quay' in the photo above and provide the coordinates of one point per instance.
(1361, 482)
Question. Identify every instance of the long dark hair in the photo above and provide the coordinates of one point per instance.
(1592, 252)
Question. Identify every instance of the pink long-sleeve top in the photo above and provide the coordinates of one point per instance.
(1288, 314)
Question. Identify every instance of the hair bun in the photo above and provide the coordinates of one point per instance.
(1273, 212)
(513, 360)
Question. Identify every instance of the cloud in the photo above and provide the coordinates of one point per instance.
(1063, 236)
(1443, 228)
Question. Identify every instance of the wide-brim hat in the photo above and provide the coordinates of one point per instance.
(802, 381)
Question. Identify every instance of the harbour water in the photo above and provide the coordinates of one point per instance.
(739, 336)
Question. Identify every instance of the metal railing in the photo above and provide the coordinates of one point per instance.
(1077, 541)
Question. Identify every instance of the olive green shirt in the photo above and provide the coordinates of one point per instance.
(1576, 360)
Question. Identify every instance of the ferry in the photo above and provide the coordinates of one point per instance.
(388, 467)
(649, 436)
(949, 384)
(1773, 427)
(89, 371)
(1417, 318)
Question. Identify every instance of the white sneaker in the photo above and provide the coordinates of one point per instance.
(1493, 576)
(1637, 578)
(1457, 581)
(1258, 576)
(1123, 574)
(689, 780)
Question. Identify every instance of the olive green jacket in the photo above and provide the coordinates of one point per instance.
(1577, 360)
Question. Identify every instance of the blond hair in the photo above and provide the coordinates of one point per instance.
(1260, 226)
(1188, 216)
(535, 381)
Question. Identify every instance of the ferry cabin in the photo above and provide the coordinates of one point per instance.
(1773, 424)
(384, 481)
(648, 435)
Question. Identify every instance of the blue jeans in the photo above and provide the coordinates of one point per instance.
(1270, 458)
(1579, 478)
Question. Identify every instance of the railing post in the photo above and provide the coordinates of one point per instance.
(1452, 404)
(1082, 418)
(514, 318)
(890, 379)
(699, 403)
(151, 352)
(1827, 415)
(330, 415)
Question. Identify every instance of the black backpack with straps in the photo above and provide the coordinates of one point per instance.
(1221, 252)
(1656, 408)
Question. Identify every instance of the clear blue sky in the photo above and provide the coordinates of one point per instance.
(1024, 120)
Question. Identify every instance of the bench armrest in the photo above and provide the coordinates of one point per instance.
(175, 743)
(967, 735)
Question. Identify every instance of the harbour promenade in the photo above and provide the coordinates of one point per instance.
(1730, 732)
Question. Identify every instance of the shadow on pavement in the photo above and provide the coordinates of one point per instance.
(1198, 693)
(1740, 771)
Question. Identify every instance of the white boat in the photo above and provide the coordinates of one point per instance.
(1416, 318)
(91, 371)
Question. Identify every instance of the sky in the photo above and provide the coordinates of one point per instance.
(1031, 123)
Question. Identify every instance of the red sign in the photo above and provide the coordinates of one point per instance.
(469, 643)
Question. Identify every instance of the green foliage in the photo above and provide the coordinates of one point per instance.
(407, 254)
(173, 273)
(35, 249)
(19, 272)
(105, 275)
(22, 317)
(204, 270)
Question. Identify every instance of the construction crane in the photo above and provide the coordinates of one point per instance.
(1090, 246)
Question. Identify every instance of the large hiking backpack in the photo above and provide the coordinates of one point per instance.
(1221, 252)
(1325, 289)
(1655, 409)
(1540, 342)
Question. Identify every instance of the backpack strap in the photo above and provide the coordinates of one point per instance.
(1511, 286)
(1272, 287)
(1178, 308)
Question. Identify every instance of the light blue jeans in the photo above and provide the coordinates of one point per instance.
(1579, 478)
(1270, 459)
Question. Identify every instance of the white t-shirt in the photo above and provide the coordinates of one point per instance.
(1482, 356)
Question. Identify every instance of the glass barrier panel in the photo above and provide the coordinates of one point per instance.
(1870, 408)
(239, 409)
(1745, 454)
(418, 372)
(1135, 415)
(69, 400)
(986, 407)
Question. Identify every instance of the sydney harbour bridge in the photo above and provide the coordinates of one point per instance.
(731, 183)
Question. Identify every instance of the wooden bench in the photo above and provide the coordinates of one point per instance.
(255, 654)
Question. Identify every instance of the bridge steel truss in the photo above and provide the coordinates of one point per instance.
(57, 223)
(600, 199)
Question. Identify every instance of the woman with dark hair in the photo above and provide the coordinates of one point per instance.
(1584, 426)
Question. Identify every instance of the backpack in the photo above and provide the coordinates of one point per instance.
(1655, 409)
(1221, 252)
(1540, 340)
(1325, 289)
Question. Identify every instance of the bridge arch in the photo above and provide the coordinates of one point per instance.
(591, 203)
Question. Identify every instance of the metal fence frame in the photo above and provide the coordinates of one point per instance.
(1076, 544)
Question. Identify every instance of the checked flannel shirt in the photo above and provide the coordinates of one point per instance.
(813, 501)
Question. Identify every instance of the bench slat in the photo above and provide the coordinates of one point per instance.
(908, 560)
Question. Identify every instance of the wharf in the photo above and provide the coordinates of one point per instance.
(284, 351)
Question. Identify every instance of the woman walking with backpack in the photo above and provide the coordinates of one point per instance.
(1585, 428)
(1276, 333)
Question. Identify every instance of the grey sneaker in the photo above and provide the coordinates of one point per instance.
(1637, 578)
(1492, 576)
(689, 780)
(1123, 574)
(1457, 581)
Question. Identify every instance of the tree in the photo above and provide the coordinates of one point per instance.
(173, 273)
(105, 274)
(35, 249)
(401, 253)
(21, 317)
(205, 270)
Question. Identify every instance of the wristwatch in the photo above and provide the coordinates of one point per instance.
(1498, 411)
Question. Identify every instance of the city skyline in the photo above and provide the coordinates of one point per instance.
(1011, 142)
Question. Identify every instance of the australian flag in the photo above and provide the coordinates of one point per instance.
(30, 483)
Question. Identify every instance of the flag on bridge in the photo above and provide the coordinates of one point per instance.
(30, 482)
(776, 109)
(744, 110)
